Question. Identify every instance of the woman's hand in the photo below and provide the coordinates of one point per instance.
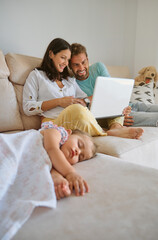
(66, 101)
(77, 183)
(62, 102)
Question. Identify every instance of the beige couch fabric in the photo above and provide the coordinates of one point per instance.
(121, 205)
(9, 109)
(20, 66)
(119, 71)
(143, 151)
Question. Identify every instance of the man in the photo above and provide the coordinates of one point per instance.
(142, 114)
(86, 76)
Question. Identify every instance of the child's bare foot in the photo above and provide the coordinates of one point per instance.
(130, 132)
(61, 185)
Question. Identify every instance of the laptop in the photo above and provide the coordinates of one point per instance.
(111, 96)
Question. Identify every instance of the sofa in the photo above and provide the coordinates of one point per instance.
(123, 176)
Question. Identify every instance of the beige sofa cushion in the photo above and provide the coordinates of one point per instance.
(29, 122)
(9, 110)
(119, 71)
(143, 152)
(20, 66)
(121, 205)
(4, 71)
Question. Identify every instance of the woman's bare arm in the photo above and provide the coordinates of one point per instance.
(60, 102)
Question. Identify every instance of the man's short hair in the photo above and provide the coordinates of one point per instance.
(77, 48)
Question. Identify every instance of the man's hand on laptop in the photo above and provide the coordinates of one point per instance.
(127, 111)
(128, 120)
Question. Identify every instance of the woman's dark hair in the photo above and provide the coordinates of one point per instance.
(47, 65)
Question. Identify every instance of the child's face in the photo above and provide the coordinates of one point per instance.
(77, 148)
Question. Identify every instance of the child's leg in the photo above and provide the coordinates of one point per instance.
(61, 185)
(78, 117)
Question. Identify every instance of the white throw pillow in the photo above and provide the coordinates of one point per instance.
(143, 94)
(156, 93)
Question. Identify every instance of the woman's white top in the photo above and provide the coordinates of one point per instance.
(38, 88)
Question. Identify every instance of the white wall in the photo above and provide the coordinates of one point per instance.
(146, 45)
(110, 29)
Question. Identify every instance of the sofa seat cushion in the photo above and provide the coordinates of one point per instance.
(121, 205)
(143, 151)
(9, 110)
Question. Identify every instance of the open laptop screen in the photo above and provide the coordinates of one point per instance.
(111, 96)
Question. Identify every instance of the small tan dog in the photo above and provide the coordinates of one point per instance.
(147, 74)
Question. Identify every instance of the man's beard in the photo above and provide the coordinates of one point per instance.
(82, 77)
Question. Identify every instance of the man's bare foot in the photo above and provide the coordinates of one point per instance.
(130, 132)
(61, 185)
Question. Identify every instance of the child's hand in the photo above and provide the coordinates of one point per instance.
(61, 185)
(62, 190)
(78, 183)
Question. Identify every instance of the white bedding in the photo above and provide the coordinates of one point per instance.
(25, 180)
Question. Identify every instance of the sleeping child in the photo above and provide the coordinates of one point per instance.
(65, 148)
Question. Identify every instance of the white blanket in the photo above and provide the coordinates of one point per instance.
(25, 180)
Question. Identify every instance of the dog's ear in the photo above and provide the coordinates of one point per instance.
(138, 79)
(142, 71)
(156, 73)
(156, 76)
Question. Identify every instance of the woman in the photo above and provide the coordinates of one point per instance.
(50, 92)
